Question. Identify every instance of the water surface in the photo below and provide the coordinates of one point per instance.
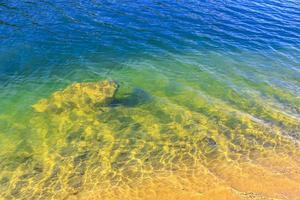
(208, 105)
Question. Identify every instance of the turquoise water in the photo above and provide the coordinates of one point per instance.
(225, 74)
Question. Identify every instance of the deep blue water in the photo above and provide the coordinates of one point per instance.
(39, 35)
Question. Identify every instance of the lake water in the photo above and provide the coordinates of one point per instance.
(208, 104)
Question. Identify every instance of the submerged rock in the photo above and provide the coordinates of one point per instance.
(79, 95)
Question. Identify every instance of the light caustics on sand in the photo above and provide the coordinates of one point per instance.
(90, 142)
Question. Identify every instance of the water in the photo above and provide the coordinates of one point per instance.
(208, 102)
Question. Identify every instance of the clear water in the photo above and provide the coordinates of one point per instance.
(208, 105)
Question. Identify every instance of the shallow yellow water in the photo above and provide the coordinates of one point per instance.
(157, 149)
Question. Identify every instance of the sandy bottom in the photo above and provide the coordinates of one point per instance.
(274, 177)
(76, 148)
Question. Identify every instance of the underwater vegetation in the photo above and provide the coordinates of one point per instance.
(89, 142)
